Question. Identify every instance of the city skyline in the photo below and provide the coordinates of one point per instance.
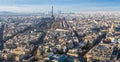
(35, 6)
(59, 31)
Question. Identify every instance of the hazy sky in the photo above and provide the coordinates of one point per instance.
(63, 5)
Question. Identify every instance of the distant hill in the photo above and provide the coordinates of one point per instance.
(7, 13)
(14, 13)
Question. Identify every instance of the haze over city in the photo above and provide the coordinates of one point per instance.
(35, 6)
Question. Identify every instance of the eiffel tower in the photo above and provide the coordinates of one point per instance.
(52, 16)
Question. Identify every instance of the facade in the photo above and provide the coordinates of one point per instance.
(1, 36)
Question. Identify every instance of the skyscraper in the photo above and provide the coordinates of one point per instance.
(1, 36)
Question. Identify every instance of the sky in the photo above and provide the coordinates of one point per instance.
(35, 6)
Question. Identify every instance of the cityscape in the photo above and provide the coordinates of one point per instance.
(60, 37)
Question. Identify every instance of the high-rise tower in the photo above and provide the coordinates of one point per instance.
(1, 37)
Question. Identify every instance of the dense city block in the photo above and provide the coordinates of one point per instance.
(65, 37)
